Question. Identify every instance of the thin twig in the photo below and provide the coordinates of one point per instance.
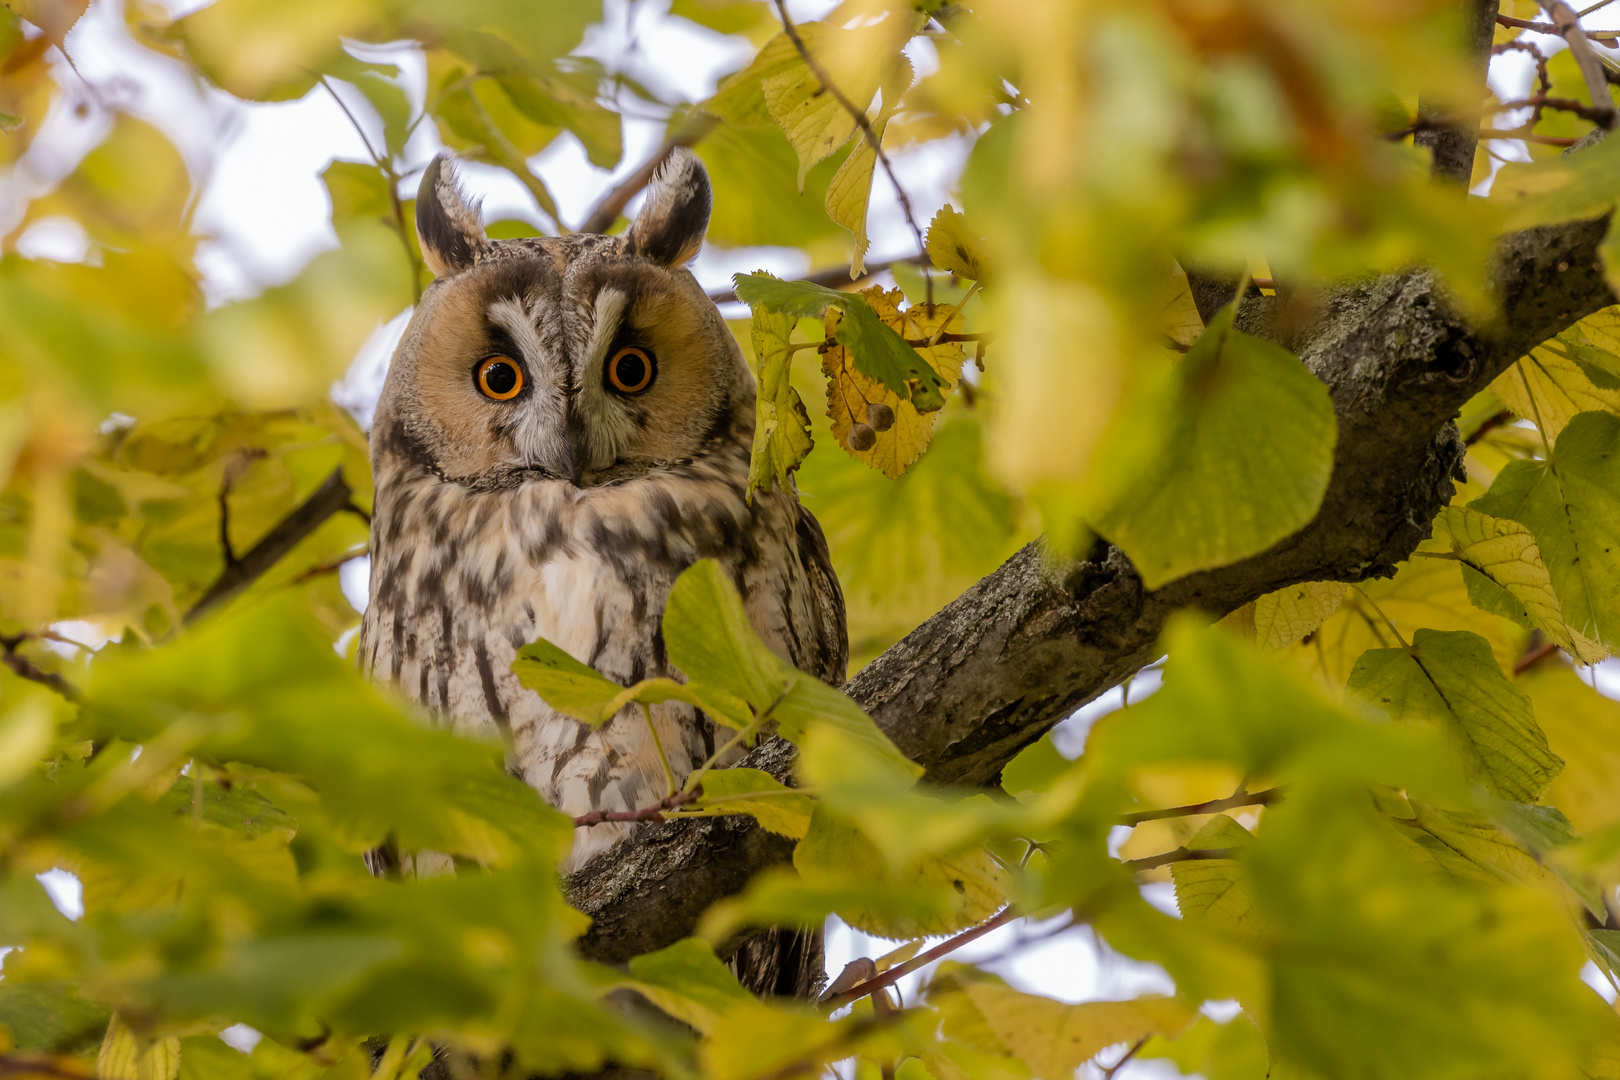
(1534, 657)
(28, 1065)
(1180, 854)
(332, 566)
(390, 178)
(1488, 425)
(1213, 806)
(1580, 47)
(1561, 104)
(606, 212)
(837, 277)
(1108, 1073)
(24, 668)
(1551, 30)
(858, 114)
(646, 813)
(923, 959)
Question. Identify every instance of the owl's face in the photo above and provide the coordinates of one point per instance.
(582, 358)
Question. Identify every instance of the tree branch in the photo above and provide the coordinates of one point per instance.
(332, 496)
(1021, 650)
(837, 277)
(1452, 143)
(1580, 47)
(606, 212)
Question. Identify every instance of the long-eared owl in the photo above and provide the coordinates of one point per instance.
(564, 428)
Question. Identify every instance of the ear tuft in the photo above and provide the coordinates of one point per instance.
(675, 217)
(446, 220)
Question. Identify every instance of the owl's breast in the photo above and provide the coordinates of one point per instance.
(462, 579)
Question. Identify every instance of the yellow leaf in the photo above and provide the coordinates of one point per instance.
(1286, 616)
(850, 191)
(1549, 387)
(1423, 593)
(953, 247)
(856, 403)
(126, 1056)
(1583, 728)
(1506, 553)
(1054, 1039)
(1181, 321)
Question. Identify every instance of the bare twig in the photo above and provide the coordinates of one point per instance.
(923, 959)
(31, 1065)
(25, 668)
(646, 813)
(606, 212)
(1552, 30)
(1580, 47)
(391, 178)
(1180, 854)
(1214, 806)
(1585, 112)
(837, 277)
(1108, 1073)
(858, 114)
(1527, 136)
(332, 566)
(333, 496)
(1534, 657)
(1490, 424)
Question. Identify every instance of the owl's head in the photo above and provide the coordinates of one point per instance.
(584, 358)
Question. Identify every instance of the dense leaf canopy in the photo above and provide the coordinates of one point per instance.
(1386, 805)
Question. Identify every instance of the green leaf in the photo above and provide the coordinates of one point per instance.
(688, 982)
(781, 423)
(711, 641)
(1450, 679)
(1505, 552)
(758, 794)
(1571, 505)
(724, 16)
(877, 350)
(52, 1017)
(1243, 441)
(575, 689)
(1569, 188)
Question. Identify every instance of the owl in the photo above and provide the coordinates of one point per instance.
(565, 426)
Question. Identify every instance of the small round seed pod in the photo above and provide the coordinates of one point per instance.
(861, 437)
(879, 416)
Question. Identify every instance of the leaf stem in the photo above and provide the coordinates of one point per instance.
(1387, 620)
(646, 813)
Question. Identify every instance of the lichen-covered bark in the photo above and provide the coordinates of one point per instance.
(967, 690)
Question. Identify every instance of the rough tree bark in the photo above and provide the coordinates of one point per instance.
(1022, 649)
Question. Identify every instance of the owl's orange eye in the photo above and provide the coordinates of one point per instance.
(630, 370)
(499, 378)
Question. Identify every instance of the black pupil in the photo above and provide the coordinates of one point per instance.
(500, 378)
(631, 370)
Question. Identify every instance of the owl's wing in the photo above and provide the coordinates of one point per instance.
(828, 639)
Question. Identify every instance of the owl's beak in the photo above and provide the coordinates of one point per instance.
(576, 458)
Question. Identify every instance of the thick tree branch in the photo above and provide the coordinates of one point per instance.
(1022, 649)
(333, 496)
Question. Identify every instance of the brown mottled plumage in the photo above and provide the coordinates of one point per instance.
(567, 511)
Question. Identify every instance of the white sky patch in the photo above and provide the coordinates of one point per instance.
(65, 891)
